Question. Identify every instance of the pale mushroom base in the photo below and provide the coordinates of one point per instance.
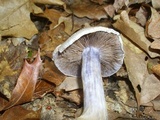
(94, 100)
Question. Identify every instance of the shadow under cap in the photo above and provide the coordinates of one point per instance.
(110, 51)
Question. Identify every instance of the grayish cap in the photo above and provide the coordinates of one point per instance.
(68, 56)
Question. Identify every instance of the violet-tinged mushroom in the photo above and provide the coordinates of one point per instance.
(91, 53)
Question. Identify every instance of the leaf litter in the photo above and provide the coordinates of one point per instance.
(40, 91)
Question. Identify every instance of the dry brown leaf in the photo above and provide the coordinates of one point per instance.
(73, 23)
(156, 104)
(155, 44)
(155, 4)
(15, 18)
(150, 88)
(43, 39)
(110, 10)
(3, 102)
(151, 112)
(67, 22)
(86, 9)
(52, 74)
(153, 25)
(56, 37)
(146, 86)
(20, 113)
(11, 60)
(134, 32)
(51, 2)
(141, 16)
(133, 56)
(42, 88)
(70, 83)
(53, 15)
(118, 4)
(23, 91)
(75, 96)
(79, 23)
(156, 69)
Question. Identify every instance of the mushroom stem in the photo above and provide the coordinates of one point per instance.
(94, 100)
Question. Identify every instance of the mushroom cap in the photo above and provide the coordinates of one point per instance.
(68, 56)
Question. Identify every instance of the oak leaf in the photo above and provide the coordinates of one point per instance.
(24, 89)
(15, 18)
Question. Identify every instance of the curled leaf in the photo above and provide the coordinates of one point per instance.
(135, 33)
(153, 25)
(24, 89)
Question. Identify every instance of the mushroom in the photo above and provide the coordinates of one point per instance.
(91, 53)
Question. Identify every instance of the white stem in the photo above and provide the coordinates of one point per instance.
(94, 100)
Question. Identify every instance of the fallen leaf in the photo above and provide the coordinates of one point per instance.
(3, 102)
(155, 4)
(53, 16)
(11, 61)
(20, 113)
(135, 33)
(23, 91)
(156, 69)
(70, 83)
(149, 89)
(118, 4)
(67, 22)
(75, 96)
(86, 9)
(110, 10)
(141, 16)
(146, 85)
(15, 18)
(73, 23)
(153, 25)
(133, 56)
(155, 44)
(51, 2)
(151, 112)
(52, 74)
(156, 104)
(56, 36)
(42, 88)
